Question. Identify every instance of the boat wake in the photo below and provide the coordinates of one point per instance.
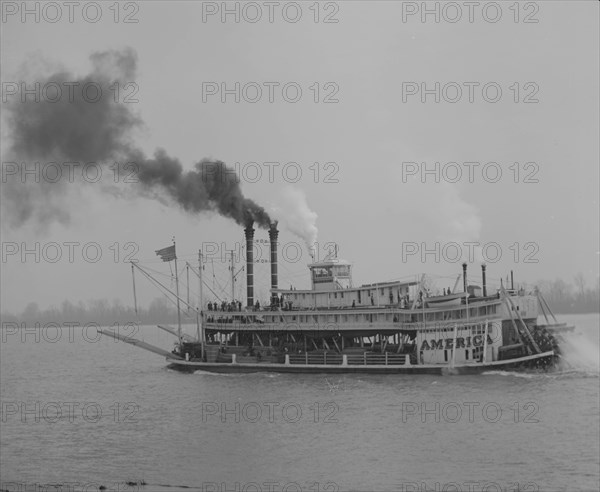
(580, 353)
(237, 375)
(557, 374)
(579, 358)
(517, 374)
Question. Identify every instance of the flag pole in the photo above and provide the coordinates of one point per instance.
(177, 292)
(199, 320)
(134, 294)
(187, 272)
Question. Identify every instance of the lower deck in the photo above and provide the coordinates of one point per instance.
(537, 361)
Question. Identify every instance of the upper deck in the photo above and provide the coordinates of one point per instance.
(331, 281)
(370, 318)
(333, 303)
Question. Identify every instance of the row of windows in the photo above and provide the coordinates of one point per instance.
(365, 293)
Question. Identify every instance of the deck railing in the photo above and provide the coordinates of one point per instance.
(324, 358)
(366, 359)
(311, 358)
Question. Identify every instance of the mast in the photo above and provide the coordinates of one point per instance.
(232, 276)
(177, 292)
(199, 322)
(200, 301)
(187, 272)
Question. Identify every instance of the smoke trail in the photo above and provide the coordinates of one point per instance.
(294, 214)
(74, 129)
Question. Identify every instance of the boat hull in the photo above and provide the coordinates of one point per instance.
(521, 363)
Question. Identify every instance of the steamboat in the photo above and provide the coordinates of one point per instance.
(392, 327)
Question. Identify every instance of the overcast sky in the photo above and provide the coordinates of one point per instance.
(372, 61)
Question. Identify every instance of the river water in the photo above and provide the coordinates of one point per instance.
(78, 414)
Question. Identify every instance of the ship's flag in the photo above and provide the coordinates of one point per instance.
(167, 254)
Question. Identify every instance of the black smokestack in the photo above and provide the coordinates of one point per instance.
(464, 265)
(77, 129)
(483, 280)
(273, 235)
(249, 231)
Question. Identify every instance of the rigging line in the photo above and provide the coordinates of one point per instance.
(213, 271)
(163, 293)
(153, 259)
(159, 273)
(215, 294)
(152, 279)
(162, 274)
(134, 294)
(215, 279)
(205, 284)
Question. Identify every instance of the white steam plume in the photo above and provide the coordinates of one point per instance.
(293, 214)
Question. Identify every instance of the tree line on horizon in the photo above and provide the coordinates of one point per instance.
(563, 298)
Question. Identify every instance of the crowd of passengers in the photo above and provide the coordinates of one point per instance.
(230, 319)
(225, 306)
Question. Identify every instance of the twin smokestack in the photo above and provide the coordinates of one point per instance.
(483, 280)
(273, 235)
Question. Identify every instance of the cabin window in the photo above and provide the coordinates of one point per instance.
(445, 356)
(335, 295)
(342, 294)
(466, 355)
(477, 330)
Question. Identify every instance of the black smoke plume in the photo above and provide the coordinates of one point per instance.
(74, 129)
